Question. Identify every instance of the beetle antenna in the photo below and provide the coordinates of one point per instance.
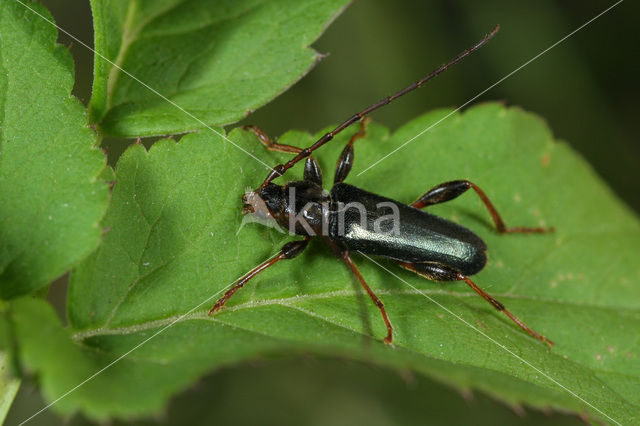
(281, 168)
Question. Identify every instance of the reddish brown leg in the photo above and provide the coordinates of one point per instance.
(438, 272)
(345, 161)
(449, 190)
(372, 295)
(270, 144)
(288, 251)
(499, 306)
(312, 170)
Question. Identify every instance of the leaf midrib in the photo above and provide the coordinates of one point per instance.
(79, 335)
(127, 39)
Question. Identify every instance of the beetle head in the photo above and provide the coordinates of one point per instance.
(263, 205)
(264, 202)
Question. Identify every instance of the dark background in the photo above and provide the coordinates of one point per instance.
(586, 88)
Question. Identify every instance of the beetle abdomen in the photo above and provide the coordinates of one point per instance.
(379, 226)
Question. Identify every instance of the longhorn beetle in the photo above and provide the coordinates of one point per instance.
(428, 245)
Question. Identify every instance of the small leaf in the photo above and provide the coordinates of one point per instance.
(51, 200)
(174, 245)
(217, 60)
(9, 386)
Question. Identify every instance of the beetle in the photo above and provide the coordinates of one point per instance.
(351, 219)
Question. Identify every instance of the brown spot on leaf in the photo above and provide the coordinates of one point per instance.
(546, 159)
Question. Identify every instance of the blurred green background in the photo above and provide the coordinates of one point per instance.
(586, 88)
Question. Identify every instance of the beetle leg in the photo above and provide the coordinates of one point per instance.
(376, 300)
(269, 143)
(438, 272)
(312, 170)
(449, 190)
(288, 251)
(345, 161)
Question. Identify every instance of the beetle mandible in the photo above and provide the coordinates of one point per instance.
(428, 245)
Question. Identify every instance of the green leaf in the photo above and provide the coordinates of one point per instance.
(217, 60)
(51, 200)
(173, 247)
